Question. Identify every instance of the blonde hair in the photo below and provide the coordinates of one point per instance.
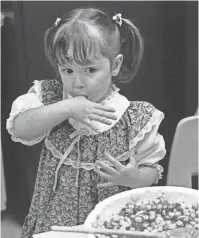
(90, 32)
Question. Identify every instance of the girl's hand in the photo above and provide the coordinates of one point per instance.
(120, 175)
(86, 111)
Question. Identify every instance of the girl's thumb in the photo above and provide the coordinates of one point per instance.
(132, 156)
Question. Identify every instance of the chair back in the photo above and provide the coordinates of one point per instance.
(183, 162)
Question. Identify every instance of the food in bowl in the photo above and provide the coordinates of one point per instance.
(159, 215)
(163, 213)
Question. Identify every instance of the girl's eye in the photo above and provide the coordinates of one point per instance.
(68, 71)
(90, 70)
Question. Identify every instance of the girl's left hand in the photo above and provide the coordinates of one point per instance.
(128, 175)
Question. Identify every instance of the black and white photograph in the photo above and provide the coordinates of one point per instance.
(99, 119)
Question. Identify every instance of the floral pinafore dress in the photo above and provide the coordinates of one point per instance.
(66, 184)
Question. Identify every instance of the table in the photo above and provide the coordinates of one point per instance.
(53, 234)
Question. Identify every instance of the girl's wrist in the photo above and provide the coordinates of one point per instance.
(148, 176)
(139, 181)
(67, 106)
(143, 179)
(72, 108)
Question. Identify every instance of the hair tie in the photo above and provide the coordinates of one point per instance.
(57, 21)
(118, 18)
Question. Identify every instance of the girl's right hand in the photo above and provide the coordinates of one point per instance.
(86, 111)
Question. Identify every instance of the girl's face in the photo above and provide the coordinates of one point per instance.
(92, 81)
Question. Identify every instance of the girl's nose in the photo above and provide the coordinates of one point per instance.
(78, 81)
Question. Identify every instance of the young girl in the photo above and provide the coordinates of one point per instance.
(97, 143)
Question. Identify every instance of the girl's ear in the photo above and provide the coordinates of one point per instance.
(117, 63)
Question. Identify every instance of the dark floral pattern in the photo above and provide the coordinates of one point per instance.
(70, 205)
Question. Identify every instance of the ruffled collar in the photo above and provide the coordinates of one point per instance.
(114, 100)
(111, 95)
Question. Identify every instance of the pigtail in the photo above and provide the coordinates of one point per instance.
(49, 50)
(48, 46)
(132, 48)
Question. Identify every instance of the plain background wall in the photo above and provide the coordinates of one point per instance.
(167, 77)
(191, 58)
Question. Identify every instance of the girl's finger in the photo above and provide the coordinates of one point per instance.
(132, 158)
(100, 119)
(107, 168)
(102, 174)
(116, 163)
(147, 152)
(105, 185)
(104, 114)
(104, 108)
(88, 123)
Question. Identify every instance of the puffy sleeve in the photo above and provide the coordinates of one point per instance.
(23, 103)
(148, 145)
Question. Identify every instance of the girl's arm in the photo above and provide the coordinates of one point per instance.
(143, 169)
(132, 175)
(38, 121)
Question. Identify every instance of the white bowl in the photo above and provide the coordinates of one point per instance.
(113, 205)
